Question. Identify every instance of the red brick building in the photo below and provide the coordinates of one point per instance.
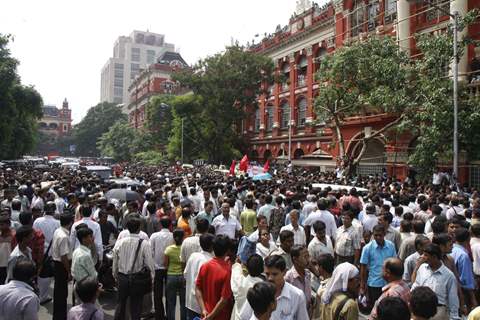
(55, 121)
(55, 124)
(154, 80)
(297, 50)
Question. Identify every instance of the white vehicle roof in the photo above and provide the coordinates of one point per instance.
(337, 187)
(97, 168)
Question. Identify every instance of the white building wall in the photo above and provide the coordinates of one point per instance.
(134, 56)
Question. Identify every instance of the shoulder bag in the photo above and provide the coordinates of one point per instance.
(140, 282)
(340, 307)
(48, 266)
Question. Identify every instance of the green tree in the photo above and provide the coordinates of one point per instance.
(371, 76)
(158, 120)
(119, 142)
(190, 105)
(432, 124)
(221, 84)
(20, 105)
(98, 120)
(375, 76)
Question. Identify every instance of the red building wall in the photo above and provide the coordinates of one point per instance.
(311, 138)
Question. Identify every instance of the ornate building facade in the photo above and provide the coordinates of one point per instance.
(154, 80)
(297, 49)
(55, 124)
(55, 121)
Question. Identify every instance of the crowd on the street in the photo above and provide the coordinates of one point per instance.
(232, 248)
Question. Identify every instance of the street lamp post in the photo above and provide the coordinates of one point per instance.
(455, 95)
(182, 144)
(290, 136)
(453, 16)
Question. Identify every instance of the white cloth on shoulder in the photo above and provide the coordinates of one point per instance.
(339, 280)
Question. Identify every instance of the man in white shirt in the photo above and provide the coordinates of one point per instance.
(291, 303)
(195, 261)
(475, 246)
(454, 209)
(261, 297)
(226, 224)
(322, 214)
(437, 178)
(206, 197)
(7, 203)
(47, 224)
(321, 243)
(17, 298)
(241, 284)
(38, 201)
(192, 244)
(159, 241)
(60, 202)
(267, 208)
(298, 231)
(309, 205)
(61, 255)
(370, 219)
(86, 212)
(124, 264)
(15, 212)
(196, 200)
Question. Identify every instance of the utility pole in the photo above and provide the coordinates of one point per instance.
(290, 136)
(182, 143)
(454, 16)
(455, 95)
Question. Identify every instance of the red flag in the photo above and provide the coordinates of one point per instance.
(266, 167)
(244, 164)
(232, 168)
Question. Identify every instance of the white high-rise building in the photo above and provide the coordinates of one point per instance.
(130, 55)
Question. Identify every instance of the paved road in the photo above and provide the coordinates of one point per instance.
(107, 301)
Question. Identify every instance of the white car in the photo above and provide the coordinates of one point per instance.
(337, 187)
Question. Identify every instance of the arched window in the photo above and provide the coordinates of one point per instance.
(302, 112)
(319, 55)
(286, 76)
(257, 120)
(269, 117)
(357, 18)
(302, 71)
(285, 110)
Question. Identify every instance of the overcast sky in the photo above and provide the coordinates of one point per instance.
(62, 45)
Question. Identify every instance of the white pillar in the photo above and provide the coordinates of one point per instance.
(461, 6)
(403, 25)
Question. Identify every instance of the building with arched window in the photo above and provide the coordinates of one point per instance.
(297, 50)
(56, 121)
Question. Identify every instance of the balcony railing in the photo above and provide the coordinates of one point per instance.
(474, 88)
(301, 81)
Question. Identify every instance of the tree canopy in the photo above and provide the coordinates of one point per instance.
(221, 86)
(98, 121)
(21, 107)
(119, 142)
(374, 76)
(371, 76)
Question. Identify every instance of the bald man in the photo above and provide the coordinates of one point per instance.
(392, 272)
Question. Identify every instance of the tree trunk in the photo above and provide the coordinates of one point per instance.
(339, 136)
(365, 141)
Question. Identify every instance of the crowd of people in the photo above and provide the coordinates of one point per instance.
(229, 247)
